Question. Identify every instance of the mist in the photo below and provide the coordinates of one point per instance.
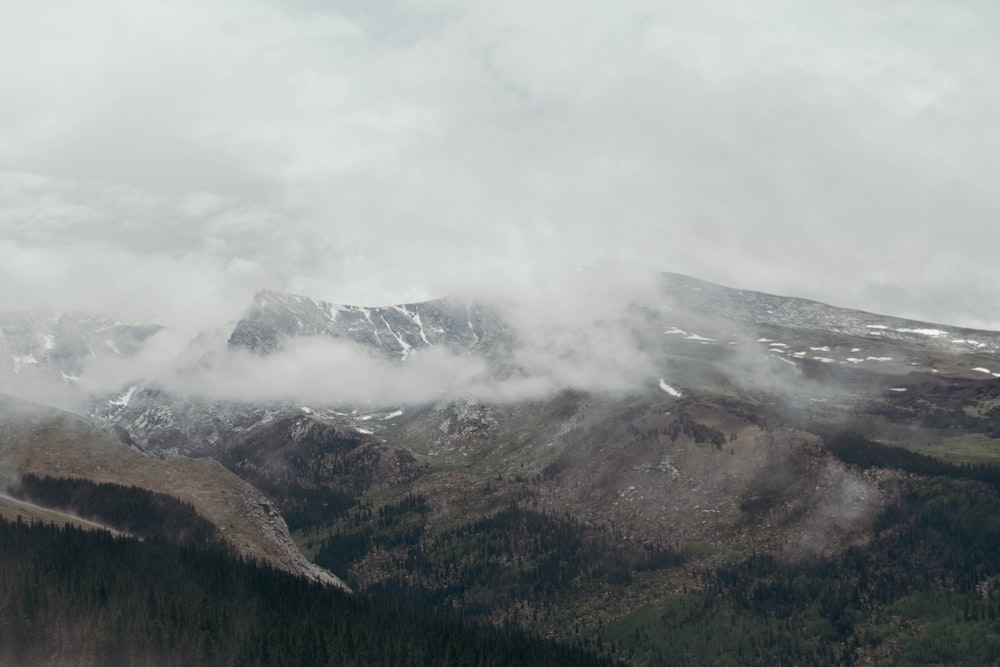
(597, 329)
(571, 332)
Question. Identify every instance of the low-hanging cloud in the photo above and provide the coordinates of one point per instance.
(577, 343)
(598, 329)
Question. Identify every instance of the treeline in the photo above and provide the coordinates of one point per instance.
(513, 559)
(700, 433)
(925, 590)
(75, 597)
(858, 450)
(680, 424)
(128, 509)
(941, 404)
(304, 507)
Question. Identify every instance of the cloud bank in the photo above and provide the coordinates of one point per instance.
(173, 158)
(585, 338)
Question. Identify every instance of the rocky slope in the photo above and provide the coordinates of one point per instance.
(57, 346)
(394, 331)
(43, 441)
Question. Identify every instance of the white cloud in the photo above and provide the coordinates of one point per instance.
(188, 153)
(326, 371)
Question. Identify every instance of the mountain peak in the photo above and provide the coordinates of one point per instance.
(396, 330)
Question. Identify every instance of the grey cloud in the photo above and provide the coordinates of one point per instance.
(323, 371)
(582, 337)
(387, 152)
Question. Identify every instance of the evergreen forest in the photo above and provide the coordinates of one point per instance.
(76, 597)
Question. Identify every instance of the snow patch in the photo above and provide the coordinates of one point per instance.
(933, 333)
(897, 388)
(670, 390)
(399, 339)
(123, 400)
(330, 310)
(415, 317)
(468, 320)
(368, 316)
(822, 348)
(420, 325)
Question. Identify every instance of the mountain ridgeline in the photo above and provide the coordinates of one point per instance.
(778, 482)
(57, 345)
(392, 330)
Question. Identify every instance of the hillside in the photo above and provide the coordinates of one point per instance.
(47, 442)
(640, 479)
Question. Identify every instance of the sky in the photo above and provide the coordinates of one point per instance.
(169, 159)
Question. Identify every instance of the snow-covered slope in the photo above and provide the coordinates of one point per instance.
(760, 309)
(394, 330)
(727, 329)
(691, 320)
(51, 345)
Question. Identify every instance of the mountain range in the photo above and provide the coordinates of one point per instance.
(638, 480)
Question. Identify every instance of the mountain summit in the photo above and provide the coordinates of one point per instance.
(394, 331)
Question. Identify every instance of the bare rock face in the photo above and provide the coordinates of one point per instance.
(394, 331)
(53, 346)
(281, 550)
(305, 451)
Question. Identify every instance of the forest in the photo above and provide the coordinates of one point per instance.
(925, 590)
(70, 596)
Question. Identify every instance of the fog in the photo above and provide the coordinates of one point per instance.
(573, 332)
(600, 329)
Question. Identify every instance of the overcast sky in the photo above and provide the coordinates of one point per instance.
(174, 157)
